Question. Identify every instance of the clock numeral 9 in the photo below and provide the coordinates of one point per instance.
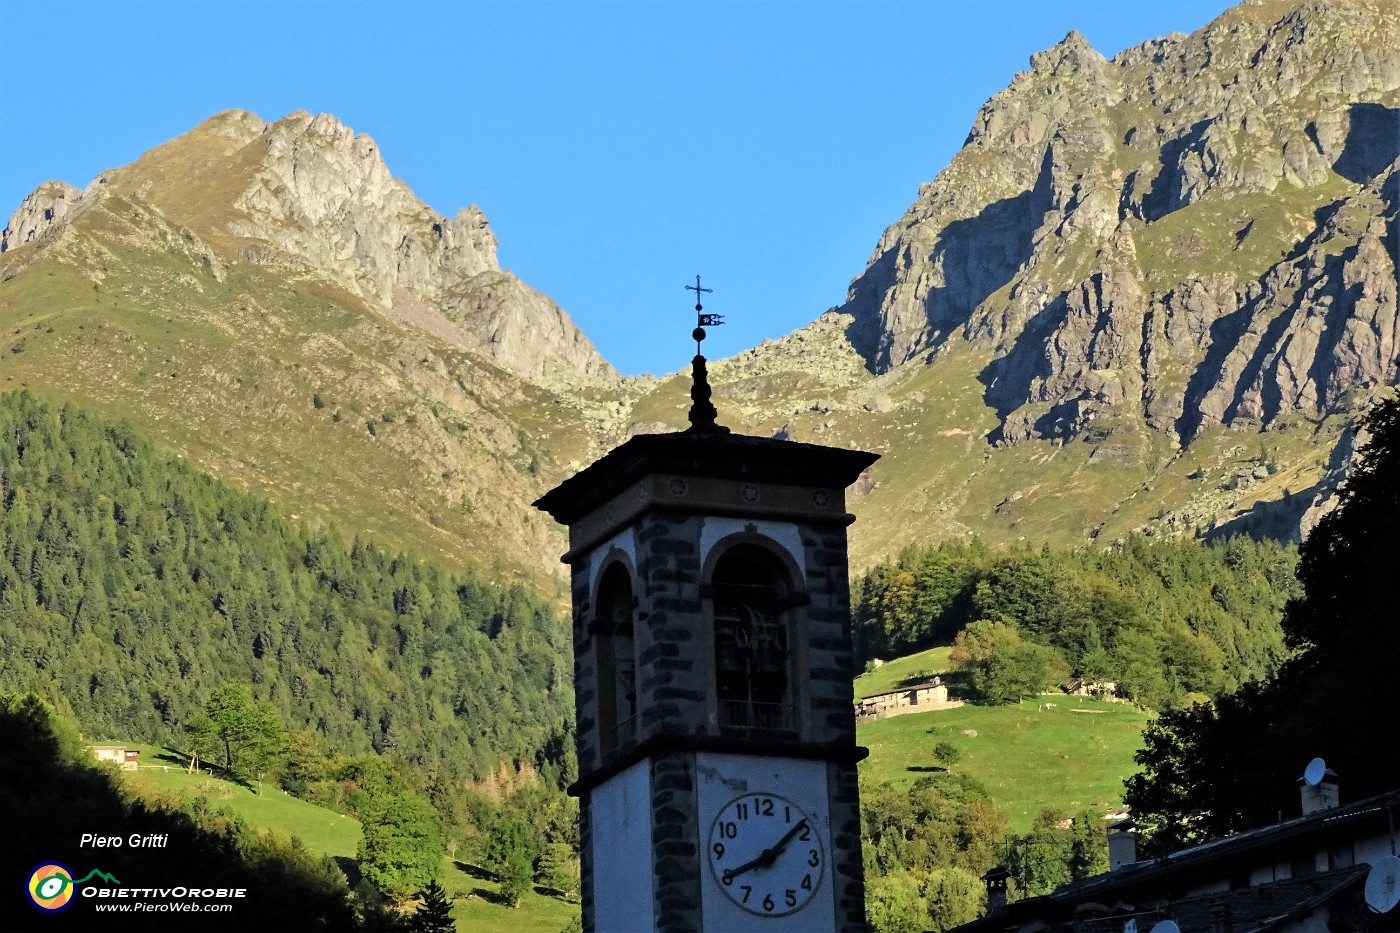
(718, 849)
(768, 902)
(812, 858)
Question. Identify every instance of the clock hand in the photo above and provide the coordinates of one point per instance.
(767, 856)
(777, 850)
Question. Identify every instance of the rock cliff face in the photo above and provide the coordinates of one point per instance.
(46, 206)
(309, 191)
(1200, 231)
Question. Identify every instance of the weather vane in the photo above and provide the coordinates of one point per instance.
(702, 320)
(702, 411)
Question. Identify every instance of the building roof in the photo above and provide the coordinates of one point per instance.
(1163, 878)
(702, 454)
(909, 689)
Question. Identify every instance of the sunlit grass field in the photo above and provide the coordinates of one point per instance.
(1031, 756)
(325, 832)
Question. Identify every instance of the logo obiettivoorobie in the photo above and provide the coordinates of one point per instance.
(51, 886)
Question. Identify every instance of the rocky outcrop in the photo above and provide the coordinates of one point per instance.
(309, 191)
(324, 194)
(1198, 232)
(45, 207)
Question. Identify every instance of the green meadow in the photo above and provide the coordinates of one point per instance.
(472, 891)
(1073, 753)
(903, 672)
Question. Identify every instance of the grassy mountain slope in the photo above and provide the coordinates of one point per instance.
(1097, 319)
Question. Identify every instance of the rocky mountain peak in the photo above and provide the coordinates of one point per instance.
(1175, 238)
(45, 207)
(308, 190)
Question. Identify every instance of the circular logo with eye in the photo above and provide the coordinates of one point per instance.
(678, 485)
(51, 887)
(750, 492)
(821, 498)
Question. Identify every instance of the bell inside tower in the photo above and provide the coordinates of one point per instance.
(753, 642)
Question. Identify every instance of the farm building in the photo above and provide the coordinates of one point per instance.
(128, 758)
(918, 698)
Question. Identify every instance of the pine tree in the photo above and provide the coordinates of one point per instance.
(434, 915)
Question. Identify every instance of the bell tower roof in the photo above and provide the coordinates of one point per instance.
(702, 454)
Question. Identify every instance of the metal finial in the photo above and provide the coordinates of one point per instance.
(702, 412)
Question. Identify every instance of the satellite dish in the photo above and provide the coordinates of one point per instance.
(1383, 885)
(1314, 772)
(1166, 926)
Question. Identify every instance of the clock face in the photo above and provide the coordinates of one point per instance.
(766, 854)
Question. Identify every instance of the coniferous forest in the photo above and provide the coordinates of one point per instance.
(132, 586)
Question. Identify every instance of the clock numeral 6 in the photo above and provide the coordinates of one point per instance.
(768, 902)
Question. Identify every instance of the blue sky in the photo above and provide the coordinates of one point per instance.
(618, 149)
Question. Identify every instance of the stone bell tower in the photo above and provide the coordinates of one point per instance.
(712, 670)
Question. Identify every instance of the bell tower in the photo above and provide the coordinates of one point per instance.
(712, 672)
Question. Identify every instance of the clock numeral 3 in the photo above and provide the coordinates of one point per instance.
(812, 858)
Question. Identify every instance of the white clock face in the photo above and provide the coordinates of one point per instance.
(766, 854)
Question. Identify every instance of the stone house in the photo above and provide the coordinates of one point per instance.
(918, 698)
(128, 758)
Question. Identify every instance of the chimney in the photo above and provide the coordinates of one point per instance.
(995, 880)
(1122, 844)
(1321, 795)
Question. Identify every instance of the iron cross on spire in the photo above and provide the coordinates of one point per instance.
(702, 320)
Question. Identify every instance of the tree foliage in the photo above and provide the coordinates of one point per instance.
(434, 914)
(401, 847)
(54, 793)
(248, 733)
(1165, 620)
(1056, 851)
(925, 850)
(1215, 769)
(132, 586)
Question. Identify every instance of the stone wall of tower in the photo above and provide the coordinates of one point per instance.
(676, 832)
(585, 672)
(672, 673)
(830, 657)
